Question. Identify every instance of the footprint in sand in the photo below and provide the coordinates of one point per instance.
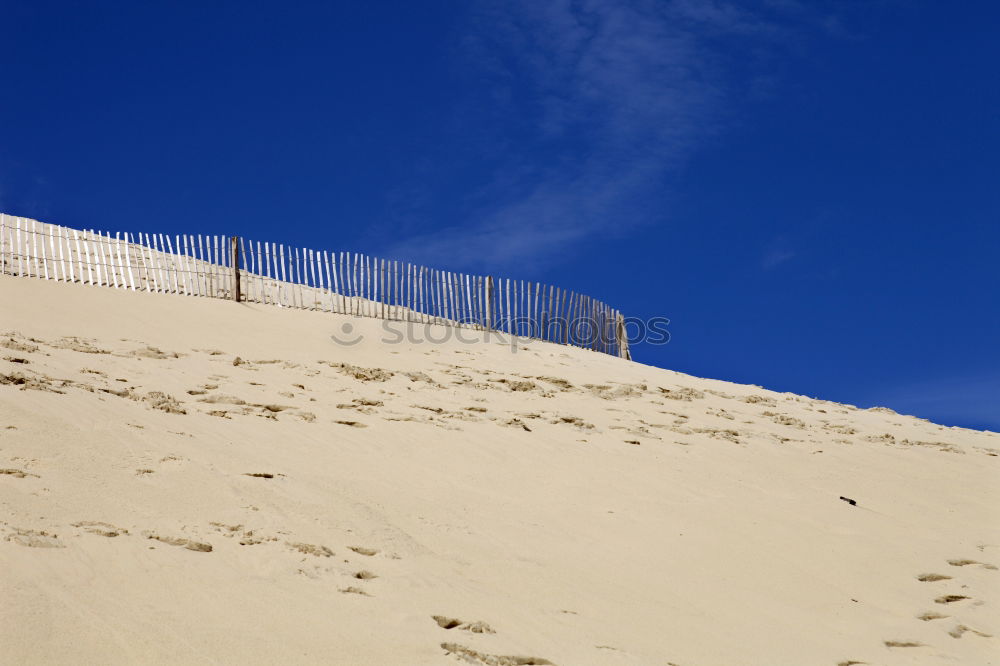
(310, 549)
(959, 630)
(196, 546)
(950, 598)
(16, 473)
(100, 528)
(352, 424)
(473, 657)
(965, 563)
(34, 538)
(361, 550)
(927, 617)
(478, 627)
(242, 535)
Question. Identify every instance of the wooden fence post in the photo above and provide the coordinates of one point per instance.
(622, 339)
(489, 303)
(234, 245)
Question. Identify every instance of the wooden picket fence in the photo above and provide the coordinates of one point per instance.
(339, 282)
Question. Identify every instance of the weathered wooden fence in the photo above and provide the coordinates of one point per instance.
(339, 282)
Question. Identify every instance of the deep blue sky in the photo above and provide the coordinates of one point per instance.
(808, 190)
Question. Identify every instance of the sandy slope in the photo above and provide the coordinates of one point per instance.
(555, 503)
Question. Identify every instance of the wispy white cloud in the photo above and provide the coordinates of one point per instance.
(604, 100)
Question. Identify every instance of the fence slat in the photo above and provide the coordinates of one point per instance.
(344, 281)
(297, 262)
(430, 296)
(200, 262)
(312, 269)
(336, 284)
(190, 265)
(329, 285)
(115, 268)
(154, 262)
(167, 263)
(440, 287)
(197, 270)
(183, 268)
(382, 287)
(30, 253)
(52, 258)
(157, 259)
(445, 301)
(115, 255)
(264, 271)
(33, 234)
(79, 256)
(93, 258)
(102, 267)
(161, 263)
(463, 284)
(64, 253)
(454, 306)
(140, 247)
(412, 276)
(407, 289)
(16, 245)
(529, 313)
(99, 242)
(422, 305)
(57, 264)
(127, 271)
(152, 283)
(360, 284)
(339, 279)
(177, 265)
(51, 255)
(219, 267)
(356, 287)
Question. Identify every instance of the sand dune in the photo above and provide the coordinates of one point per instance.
(192, 481)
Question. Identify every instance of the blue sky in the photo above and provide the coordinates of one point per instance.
(808, 190)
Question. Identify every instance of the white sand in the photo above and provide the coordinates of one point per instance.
(716, 536)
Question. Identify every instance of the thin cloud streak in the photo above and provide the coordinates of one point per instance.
(595, 106)
(618, 94)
